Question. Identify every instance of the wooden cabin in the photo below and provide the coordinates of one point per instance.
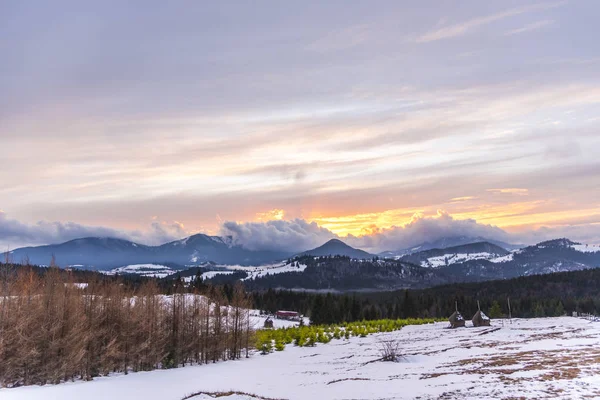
(289, 315)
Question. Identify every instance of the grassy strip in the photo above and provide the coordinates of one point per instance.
(269, 339)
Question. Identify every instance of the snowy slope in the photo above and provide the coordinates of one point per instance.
(255, 272)
(502, 259)
(149, 270)
(530, 359)
(453, 258)
(586, 248)
(435, 258)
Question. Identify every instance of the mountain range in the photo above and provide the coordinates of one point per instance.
(467, 263)
(107, 253)
(446, 242)
(421, 266)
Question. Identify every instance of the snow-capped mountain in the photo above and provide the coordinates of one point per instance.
(466, 263)
(335, 247)
(444, 243)
(557, 255)
(458, 254)
(108, 253)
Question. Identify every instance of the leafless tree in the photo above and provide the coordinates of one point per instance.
(53, 330)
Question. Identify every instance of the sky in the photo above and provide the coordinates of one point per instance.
(284, 124)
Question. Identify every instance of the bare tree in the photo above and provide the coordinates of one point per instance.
(53, 330)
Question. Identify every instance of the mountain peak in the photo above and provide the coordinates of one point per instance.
(335, 241)
(562, 242)
(335, 247)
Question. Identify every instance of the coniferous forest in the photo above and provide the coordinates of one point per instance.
(533, 296)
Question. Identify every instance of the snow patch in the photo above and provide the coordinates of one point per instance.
(502, 259)
(255, 272)
(586, 248)
(149, 270)
(454, 258)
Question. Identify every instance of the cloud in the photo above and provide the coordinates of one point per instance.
(530, 27)
(464, 198)
(464, 27)
(159, 233)
(274, 214)
(565, 150)
(584, 233)
(515, 191)
(342, 39)
(427, 229)
(14, 233)
(293, 236)
(298, 235)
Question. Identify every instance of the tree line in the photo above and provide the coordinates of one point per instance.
(54, 329)
(532, 296)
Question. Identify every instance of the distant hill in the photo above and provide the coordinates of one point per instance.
(467, 263)
(446, 242)
(108, 253)
(457, 254)
(86, 252)
(336, 247)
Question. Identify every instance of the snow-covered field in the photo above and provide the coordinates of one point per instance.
(552, 358)
(258, 321)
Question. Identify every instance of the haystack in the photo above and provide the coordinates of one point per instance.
(480, 319)
(456, 320)
(268, 323)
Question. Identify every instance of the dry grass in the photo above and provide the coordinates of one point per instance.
(217, 395)
(348, 379)
(552, 365)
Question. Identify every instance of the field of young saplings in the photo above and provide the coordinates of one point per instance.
(268, 340)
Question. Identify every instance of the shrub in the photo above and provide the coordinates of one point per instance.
(279, 346)
(390, 350)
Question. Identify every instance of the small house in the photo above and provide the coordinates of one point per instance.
(289, 315)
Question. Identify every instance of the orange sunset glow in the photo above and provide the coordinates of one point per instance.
(485, 122)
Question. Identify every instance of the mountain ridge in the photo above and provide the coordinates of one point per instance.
(446, 242)
(451, 255)
(107, 253)
(336, 247)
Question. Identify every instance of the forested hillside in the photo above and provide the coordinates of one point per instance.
(347, 274)
(532, 296)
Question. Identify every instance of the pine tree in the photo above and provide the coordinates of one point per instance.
(495, 311)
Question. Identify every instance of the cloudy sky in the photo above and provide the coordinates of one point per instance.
(287, 123)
